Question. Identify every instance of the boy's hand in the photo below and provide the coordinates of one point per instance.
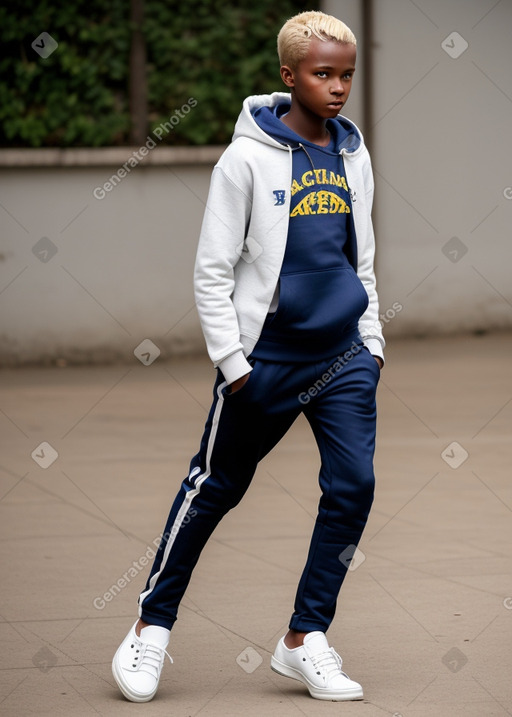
(237, 385)
(379, 361)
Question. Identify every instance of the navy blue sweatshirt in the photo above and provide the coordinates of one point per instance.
(321, 298)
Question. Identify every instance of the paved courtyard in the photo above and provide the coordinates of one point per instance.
(91, 459)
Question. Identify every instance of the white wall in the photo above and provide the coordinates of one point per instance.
(123, 267)
(442, 158)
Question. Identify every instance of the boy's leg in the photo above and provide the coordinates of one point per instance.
(241, 428)
(343, 418)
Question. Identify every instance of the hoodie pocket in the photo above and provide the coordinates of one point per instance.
(313, 304)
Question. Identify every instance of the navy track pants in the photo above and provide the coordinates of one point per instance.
(338, 400)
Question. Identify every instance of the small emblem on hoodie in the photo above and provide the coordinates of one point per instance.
(279, 195)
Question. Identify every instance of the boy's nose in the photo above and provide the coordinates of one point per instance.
(337, 88)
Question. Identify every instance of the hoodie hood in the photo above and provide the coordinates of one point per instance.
(260, 120)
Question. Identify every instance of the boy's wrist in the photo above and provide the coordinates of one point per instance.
(239, 383)
(234, 366)
(374, 346)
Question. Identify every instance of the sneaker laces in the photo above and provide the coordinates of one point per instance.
(328, 663)
(152, 658)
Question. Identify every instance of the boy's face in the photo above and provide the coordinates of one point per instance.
(322, 81)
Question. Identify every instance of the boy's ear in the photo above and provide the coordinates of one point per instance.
(287, 76)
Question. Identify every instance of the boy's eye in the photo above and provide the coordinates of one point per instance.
(323, 74)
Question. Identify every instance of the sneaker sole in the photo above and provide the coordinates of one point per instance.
(125, 689)
(316, 692)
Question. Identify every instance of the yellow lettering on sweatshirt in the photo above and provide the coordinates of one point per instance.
(322, 202)
(318, 177)
(338, 180)
(307, 178)
(296, 187)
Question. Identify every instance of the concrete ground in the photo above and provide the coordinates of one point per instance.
(425, 615)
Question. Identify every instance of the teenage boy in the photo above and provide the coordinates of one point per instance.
(285, 290)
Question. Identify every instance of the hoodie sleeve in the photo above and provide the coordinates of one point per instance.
(369, 324)
(221, 241)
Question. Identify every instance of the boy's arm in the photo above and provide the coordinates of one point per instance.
(370, 326)
(222, 234)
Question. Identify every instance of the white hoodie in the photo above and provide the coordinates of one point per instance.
(243, 239)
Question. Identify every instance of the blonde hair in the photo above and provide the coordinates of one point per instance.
(297, 32)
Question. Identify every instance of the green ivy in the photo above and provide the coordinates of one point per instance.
(216, 53)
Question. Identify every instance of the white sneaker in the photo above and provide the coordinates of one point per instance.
(318, 666)
(138, 662)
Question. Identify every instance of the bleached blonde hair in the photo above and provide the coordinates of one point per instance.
(297, 32)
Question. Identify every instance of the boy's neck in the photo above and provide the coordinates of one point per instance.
(310, 127)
